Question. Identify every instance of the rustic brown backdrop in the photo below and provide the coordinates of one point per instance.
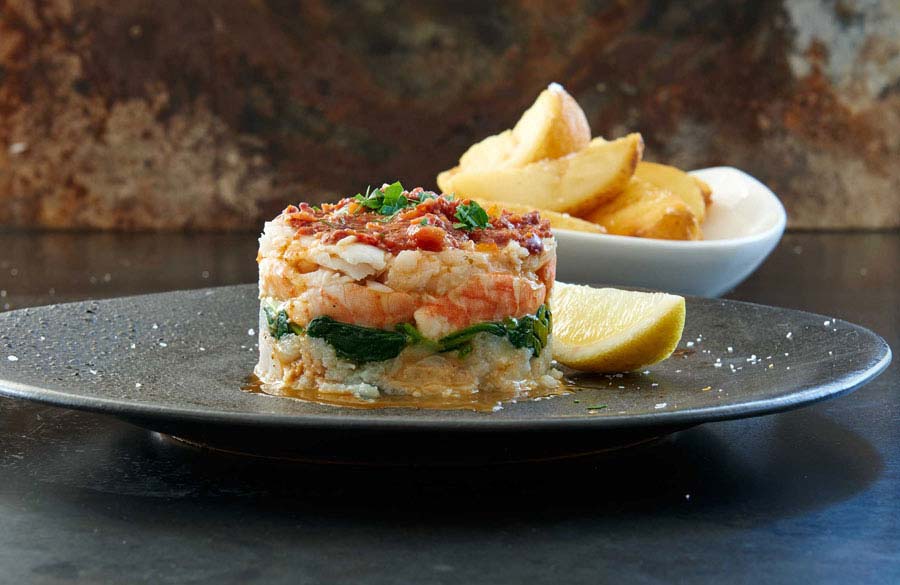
(167, 114)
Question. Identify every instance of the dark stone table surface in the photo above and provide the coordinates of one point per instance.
(807, 496)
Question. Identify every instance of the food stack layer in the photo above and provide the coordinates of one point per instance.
(406, 293)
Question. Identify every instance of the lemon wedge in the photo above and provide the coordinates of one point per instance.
(611, 330)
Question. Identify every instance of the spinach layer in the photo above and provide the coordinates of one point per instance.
(366, 344)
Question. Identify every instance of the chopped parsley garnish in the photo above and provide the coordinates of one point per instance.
(390, 200)
(386, 201)
(471, 216)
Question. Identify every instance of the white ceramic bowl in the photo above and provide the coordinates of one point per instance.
(744, 223)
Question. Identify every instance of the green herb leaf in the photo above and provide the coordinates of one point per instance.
(386, 201)
(279, 324)
(459, 339)
(413, 336)
(471, 216)
(355, 343)
(530, 331)
(392, 193)
(366, 344)
(370, 199)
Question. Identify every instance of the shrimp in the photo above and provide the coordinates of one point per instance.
(277, 279)
(485, 297)
(547, 274)
(369, 306)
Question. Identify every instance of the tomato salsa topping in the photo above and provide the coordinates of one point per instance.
(394, 219)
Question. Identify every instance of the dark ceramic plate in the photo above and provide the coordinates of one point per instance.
(175, 363)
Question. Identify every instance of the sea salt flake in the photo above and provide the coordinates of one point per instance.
(12, 358)
(163, 344)
(251, 332)
(690, 344)
(730, 349)
(661, 405)
(827, 323)
(790, 334)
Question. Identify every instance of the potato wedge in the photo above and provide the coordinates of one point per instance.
(575, 184)
(561, 221)
(678, 182)
(647, 211)
(554, 126)
(705, 190)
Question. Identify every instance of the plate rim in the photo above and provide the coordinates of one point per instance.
(389, 419)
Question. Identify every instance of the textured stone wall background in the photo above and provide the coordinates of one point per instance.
(163, 114)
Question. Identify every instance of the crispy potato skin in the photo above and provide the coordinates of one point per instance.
(548, 163)
(573, 184)
(644, 210)
(553, 127)
(678, 182)
(705, 190)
